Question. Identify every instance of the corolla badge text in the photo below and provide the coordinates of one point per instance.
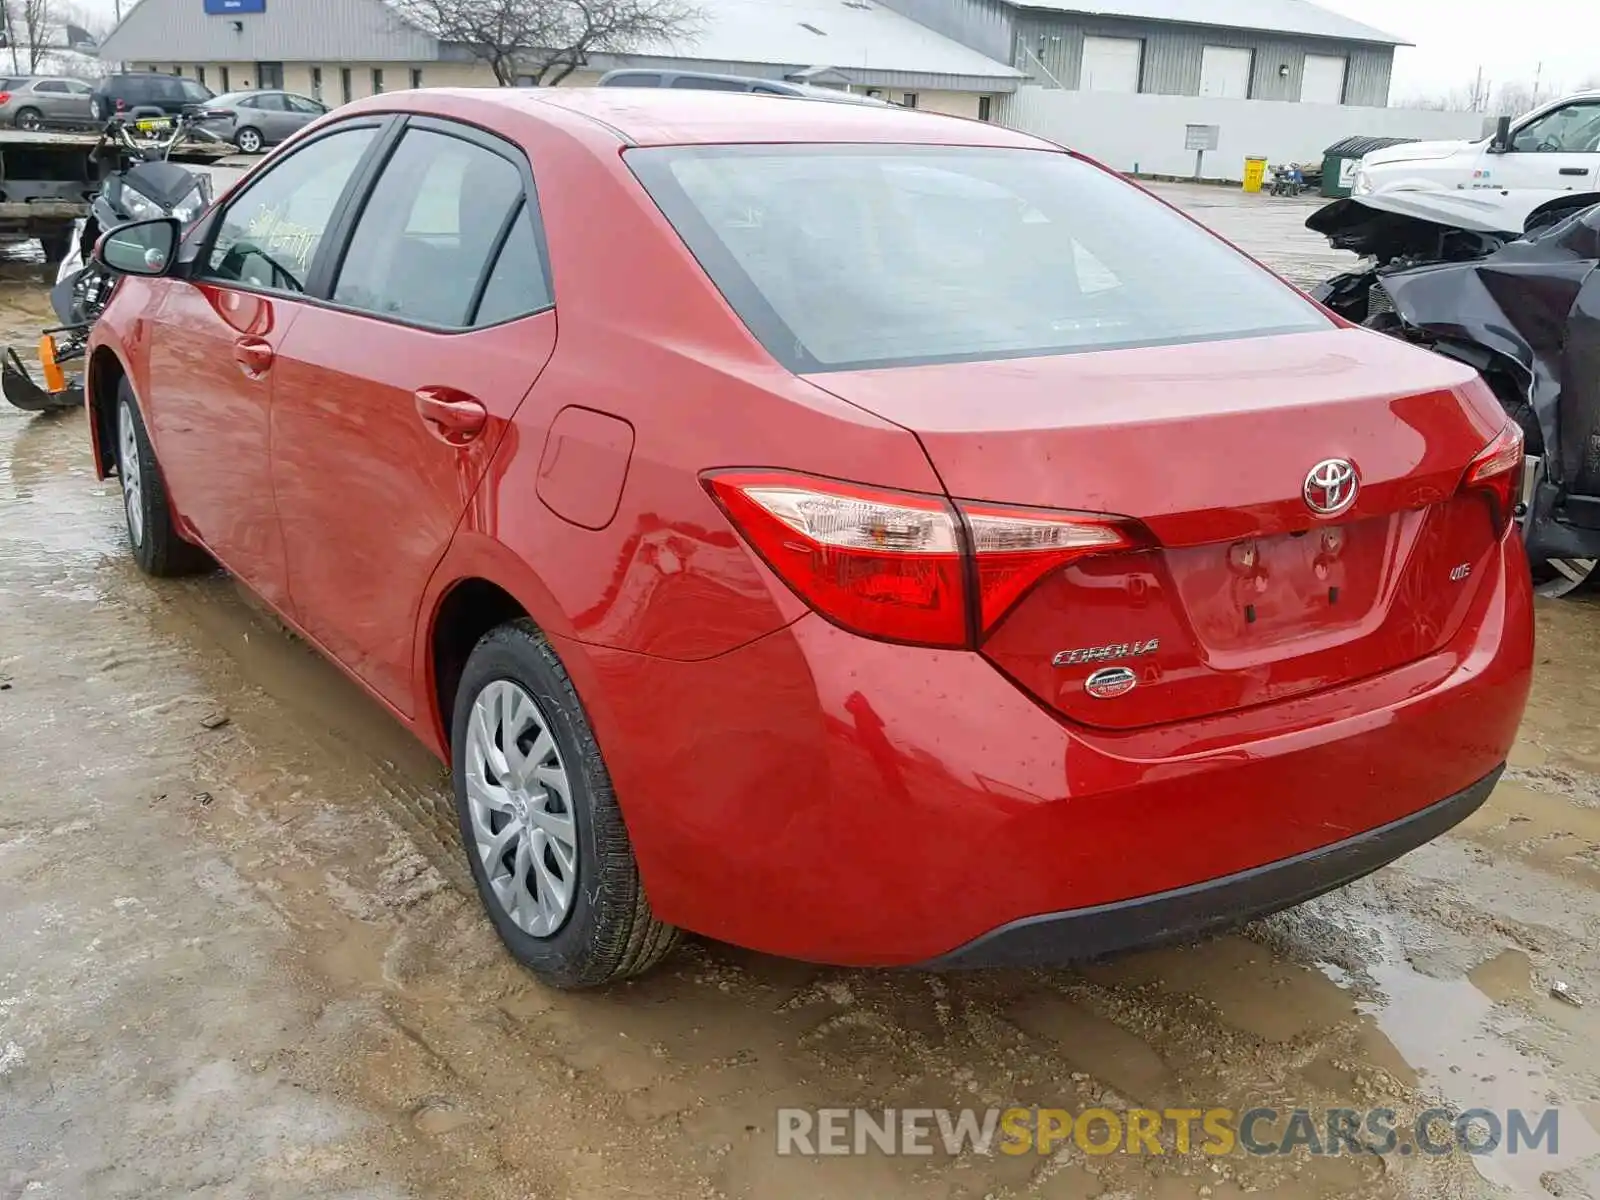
(1111, 653)
(1109, 682)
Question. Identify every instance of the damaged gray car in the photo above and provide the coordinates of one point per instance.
(1522, 307)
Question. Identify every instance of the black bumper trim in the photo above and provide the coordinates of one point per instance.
(1082, 934)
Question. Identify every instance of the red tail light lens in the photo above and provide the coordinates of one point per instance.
(5, 97)
(1497, 473)
(1017, 547)
(880, 563)
(894, 565)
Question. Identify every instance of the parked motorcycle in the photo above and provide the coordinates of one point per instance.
(144, 186)
(1293, 179)
(1519, 305)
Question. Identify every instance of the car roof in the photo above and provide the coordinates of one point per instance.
(678, 117)
(669, 78)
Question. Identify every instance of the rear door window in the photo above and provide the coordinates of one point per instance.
(433, 225)
(519, 283)
(841, 257)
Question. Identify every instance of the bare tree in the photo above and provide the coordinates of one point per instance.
(547, 40)
(8, 20)
(39, 23)
(1513, 99)
(1510, 99)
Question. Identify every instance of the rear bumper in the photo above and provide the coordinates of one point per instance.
(1087, 933)
(823, 797)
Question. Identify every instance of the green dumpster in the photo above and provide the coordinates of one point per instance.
(1339, 162)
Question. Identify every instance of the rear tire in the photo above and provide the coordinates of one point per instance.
(249, 140)
(30, 119)
(152, 536)
(544, 838)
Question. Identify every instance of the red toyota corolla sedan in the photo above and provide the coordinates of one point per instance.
(861, 535)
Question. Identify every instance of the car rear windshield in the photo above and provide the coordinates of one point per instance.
(847, 257)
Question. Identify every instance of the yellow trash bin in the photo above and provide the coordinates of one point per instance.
(1255, 171)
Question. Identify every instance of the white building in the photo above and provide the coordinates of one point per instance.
(339, 50)
(1132, 82)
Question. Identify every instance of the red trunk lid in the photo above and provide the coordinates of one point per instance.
(1248, 595)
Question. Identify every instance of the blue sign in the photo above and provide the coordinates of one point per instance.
(227, 8)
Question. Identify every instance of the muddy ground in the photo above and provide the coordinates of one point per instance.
(238, 960)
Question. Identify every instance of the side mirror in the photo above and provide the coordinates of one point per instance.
(140, 248)
(1501, 142)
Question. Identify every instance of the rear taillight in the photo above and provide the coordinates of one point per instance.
(1497, 474)
(122, 105)
(1017, 547)
(5, 97)
(902, 566)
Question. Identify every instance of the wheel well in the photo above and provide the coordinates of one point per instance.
(105, 376)
(471, 609)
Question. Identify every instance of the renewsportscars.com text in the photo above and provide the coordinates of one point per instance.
(1176, 1131)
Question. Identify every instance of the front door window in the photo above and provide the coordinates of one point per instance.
(1571, 129)
(269, 235)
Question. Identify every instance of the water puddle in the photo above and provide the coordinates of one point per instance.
(1460, 1035)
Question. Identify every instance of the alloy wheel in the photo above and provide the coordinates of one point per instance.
(128, 469)
(520, 803)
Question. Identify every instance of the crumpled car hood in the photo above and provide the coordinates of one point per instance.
(1536, 303)
(1485, 210)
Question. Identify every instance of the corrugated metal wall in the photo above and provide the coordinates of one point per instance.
(1050, 47)
(1368, 75)
(985, 25)
(179, 31)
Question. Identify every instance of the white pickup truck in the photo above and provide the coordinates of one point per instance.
(1556, 147)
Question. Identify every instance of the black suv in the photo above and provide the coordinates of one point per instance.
(146, 94)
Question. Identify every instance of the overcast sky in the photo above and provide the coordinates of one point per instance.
(1453, 38)
(1509, 40)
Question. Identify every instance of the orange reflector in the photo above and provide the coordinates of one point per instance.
(55, 380)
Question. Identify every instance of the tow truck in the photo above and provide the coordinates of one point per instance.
(48, 181)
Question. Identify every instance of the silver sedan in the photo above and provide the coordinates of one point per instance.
(258, 119)
(37, 102)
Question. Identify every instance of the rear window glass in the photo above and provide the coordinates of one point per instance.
(844, 257)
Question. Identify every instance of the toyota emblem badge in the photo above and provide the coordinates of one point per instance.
(1331, 487)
